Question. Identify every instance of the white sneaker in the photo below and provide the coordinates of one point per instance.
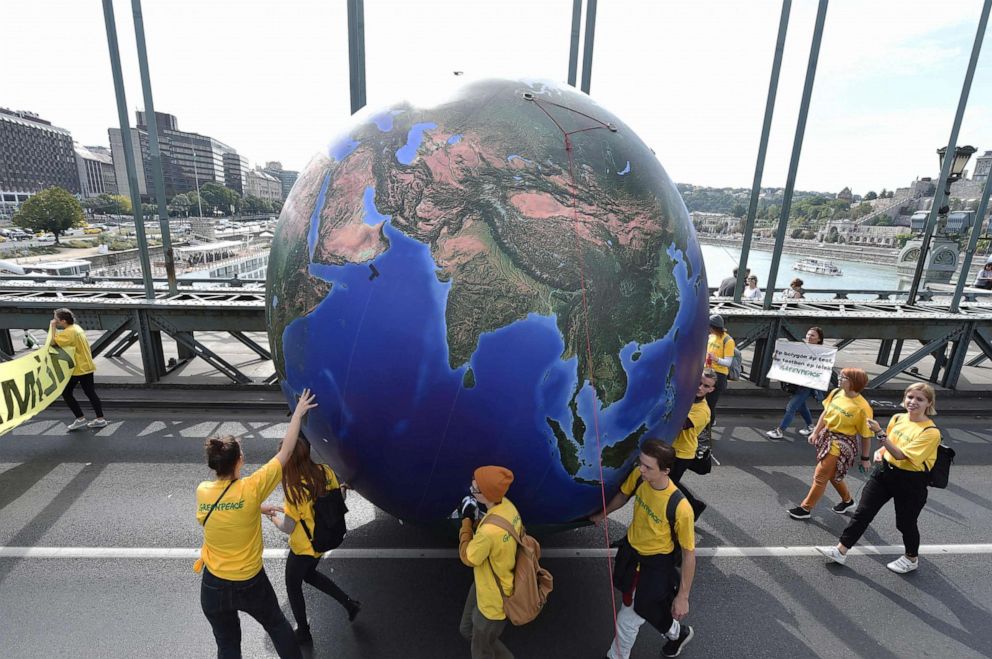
(97, 423)
(807, 430)
(902, 565)
(833, 554)
(77, 424)
(775, 434)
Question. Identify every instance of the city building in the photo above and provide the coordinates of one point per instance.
(287, 177)
(95, 166)
(188, 159)
(262, 185)
(34, 155)
(983, 164)
(235, 171)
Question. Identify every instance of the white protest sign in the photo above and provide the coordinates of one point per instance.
(804, 364)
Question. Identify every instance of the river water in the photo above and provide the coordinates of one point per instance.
(721, 260)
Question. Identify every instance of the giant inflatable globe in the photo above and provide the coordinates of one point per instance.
(508, 277)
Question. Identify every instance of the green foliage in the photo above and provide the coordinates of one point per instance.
(108, 204)
(902, 239)
(216, 197)
(179, 205)
(738, 209)
(871, 196)
(256, 205)
(53, 209)
(79, 244)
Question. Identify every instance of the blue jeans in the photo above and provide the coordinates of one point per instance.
(797, 404)
(222, 599)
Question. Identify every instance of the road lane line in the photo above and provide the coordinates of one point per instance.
(184, 553)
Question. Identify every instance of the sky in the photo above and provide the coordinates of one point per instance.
(270, 77)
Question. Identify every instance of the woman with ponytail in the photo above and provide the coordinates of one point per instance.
(229, 509)
(303, 482)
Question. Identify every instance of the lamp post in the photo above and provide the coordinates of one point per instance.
(943, 256)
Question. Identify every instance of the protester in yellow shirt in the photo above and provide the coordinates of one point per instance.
(66, 333)
(299, 519)
(719, 355)
(491, 552)
(845, 417)
(229, 509)
(645, 569)
(687, 441)
(908, 450)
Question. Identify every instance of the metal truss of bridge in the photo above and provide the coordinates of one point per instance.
(125, 316)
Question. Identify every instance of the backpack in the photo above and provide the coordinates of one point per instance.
(531, 582)
(736, 364)
(940, 475)
(329, 527)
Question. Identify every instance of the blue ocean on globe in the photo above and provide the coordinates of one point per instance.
(433, 351)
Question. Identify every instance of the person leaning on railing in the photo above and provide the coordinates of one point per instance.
(984, 279)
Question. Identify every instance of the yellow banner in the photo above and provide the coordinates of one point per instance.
(30, 383)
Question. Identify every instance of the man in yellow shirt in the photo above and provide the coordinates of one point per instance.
(66, 333)
(492, 554)
(646, 570)
(687, 441)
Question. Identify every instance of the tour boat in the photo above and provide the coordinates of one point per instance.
(818, 266)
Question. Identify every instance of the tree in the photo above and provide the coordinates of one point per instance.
(217, 197)
(53, 209)
(179, 205)
(871, 195)
(738, 210)
(883, 194)
(252, 204)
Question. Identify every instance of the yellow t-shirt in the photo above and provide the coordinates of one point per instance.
(232, 538)
(917, 440)
(687, 441)
(74, 336)
(847, 415)
(299, 543)
(722, 347)
(492, 544)
(649, 533)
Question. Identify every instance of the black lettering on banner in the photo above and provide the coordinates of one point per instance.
(57, 356)
(12, 395)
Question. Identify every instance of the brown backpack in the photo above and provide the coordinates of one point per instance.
(531, 582)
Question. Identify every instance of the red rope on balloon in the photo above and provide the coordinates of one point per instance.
(585, 310)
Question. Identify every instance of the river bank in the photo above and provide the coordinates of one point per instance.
(873, 255)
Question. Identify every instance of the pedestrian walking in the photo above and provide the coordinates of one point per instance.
(800, 396)
(67, 334)
(491, 552)
(687, 442)
(646, 565)
(303, 482)
(908, 450)
(795, 290)
(751, 291)
(845, 417)
(229, 509)
(719, 356)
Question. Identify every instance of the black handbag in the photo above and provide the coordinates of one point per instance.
(702, 464)
(940, 475)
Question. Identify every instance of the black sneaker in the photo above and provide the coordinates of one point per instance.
(303, 636)
(842, 507)
(799, 513)
(674, 648)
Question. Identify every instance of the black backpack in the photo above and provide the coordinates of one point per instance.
(329, 526)
(940, 475)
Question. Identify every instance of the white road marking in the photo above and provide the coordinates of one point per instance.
(185, 553)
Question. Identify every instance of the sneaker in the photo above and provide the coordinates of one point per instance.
(902, 565)
(353, 606)
(674, 648)
(303, 636)
(833, 554)
(775, 434)
(77, 424)
(842, 507)
(97, 423)
(807, 431)
(799, 513)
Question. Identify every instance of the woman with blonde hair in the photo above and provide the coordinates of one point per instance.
(303, 482)
(908, 450)
(845, 417)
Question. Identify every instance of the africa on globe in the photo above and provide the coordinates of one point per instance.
(508, 277)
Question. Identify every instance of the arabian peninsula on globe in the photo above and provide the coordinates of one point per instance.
(508, 277)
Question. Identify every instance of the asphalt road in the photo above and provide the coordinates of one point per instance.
(130, 486)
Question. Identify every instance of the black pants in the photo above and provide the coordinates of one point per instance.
(222, 599)
(87, 383)
(300, 568)
(654, 581)
(908, 489)
(678, 470)
(712, 398)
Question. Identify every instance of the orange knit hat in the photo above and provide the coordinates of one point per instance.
(493, 482)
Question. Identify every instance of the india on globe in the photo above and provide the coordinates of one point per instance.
(508, 277)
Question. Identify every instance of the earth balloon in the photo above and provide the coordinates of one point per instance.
(508, 277)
